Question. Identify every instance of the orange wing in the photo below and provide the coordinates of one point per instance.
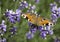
(38, 20)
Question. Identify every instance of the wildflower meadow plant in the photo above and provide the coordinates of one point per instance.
(15, 25)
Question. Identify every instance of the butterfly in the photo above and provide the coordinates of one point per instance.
(36, 19)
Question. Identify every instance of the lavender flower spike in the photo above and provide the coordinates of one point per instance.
(33, 30)
(37, 1)
(43, 35)
(29, 35)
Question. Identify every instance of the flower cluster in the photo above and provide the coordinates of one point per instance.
(55, 12)
(44, 31)
(57, 39)
(13, 31)
(2, 39)
(23, 5)
(13, 16)
(37, 1)
(31, 8)
(2, 28)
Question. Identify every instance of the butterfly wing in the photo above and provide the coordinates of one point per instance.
(42, 21)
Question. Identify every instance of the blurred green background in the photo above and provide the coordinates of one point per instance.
(43, 9)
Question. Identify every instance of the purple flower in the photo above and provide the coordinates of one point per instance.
(37, 1)
(23, 5)
(0, 26)
(7, 14)
(2, 39)
(18, 19)
(43, 35)
(13, 29)
(40, 28)
(59, 9)
(29, 23)
(12, 20)
(53, 8)
(3, 28)
(53, 16)
(58, 15)
(33, 30)
(29, 10)
(56, 39)
(33, 7)
(53, 5)
(50, 32)
(14, 16)
(26, 5)
(29, 35)
(54, 11)
(18, 11)
(48, 27)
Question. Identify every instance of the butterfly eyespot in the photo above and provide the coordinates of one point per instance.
(51, 24)
(44, 19)
(43, 24)
(47, 24)
(29, 20)
(23, 15)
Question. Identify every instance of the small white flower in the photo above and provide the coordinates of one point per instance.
(2, 34)
(6, 10)
(45, 38)
(3, 21)
(32, 11)
(26, 6)
(10, 11)
(45, 28)
(33, 7)
(21, 5)
(13, 13)
(4, 14)
(25, 2)
(29, 4)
